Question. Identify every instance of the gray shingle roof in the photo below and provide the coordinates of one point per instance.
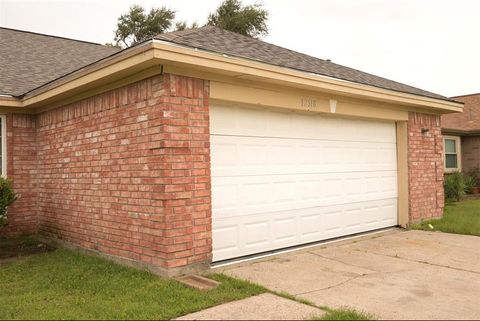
(224, 42)
(29, 60)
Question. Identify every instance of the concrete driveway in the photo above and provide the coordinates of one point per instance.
(393, 275)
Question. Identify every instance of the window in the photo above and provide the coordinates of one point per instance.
(3, 146)
(452, 158)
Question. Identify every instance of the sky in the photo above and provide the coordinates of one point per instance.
(430, 44)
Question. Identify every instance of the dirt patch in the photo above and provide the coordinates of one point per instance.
(13, 248)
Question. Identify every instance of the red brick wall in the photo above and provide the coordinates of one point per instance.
(469, 120)
(425, 166)
(470, 152)
(22, 167)
(127, 172)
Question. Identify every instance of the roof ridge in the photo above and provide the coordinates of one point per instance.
(328, 61)
(195, 30)
(325, 61)
(269, 43)
(52, 36)
(174, 35)
(466, 95)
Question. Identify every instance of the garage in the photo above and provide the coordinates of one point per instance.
(283, 178)
(204, 145)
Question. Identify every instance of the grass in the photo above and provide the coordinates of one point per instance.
(345, 314)
(459, 218)
(331, 314)
(295, 298)
(69, 285)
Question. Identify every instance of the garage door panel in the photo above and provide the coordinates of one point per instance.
(254, 194)
(282, 154)
(281, 179)
(249, 195)
(237, 156)
(240, 121)
(298, 226)
(310, 226)
(252, 155)
(226, 195)
(225, 154)
(256, 233)
(284, 229)
(227, 238)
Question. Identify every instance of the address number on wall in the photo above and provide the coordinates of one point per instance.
(306, 102)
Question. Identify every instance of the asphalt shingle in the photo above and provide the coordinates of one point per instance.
(224, 42)
(29, 60)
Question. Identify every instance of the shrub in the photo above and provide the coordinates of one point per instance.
(475, 173)
(470, 183)
(7, 197)
(454, 186)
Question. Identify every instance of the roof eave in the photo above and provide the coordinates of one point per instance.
(461, 132)
(10, 101)
(248, 69)
(114, 68)
(155, 52)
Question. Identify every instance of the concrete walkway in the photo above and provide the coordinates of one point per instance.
(393, 275)
(261, 307)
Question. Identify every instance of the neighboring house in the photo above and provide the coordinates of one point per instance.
(462, 136)
(204, 145)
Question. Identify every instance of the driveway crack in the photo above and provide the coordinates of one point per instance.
(421, 262)
(333, 286)
(340, 261)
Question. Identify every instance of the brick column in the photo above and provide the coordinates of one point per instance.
(425, 166)
(183, 146)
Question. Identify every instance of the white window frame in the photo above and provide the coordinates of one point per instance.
(458, 148)
(3, 119)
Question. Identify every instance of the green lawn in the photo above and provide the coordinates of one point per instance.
(65, 284)
(459, 218)
(345, 314)
(69, 285)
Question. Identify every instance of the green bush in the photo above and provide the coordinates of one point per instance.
(454, 186)
(470, 183)
(475, 174)
(7, 197)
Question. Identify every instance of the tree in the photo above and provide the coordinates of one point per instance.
(113, 45)
(137, 25)
(249, 20)
(183, 25)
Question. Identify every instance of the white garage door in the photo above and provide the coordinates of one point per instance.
(283, 178)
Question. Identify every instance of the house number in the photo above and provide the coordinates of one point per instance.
(308, 102)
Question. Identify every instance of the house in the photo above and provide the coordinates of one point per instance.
(203, 146)
(462, 136)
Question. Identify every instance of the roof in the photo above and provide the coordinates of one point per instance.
(216, 40)
(29, 60)
(469, 120)
(459, 96)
